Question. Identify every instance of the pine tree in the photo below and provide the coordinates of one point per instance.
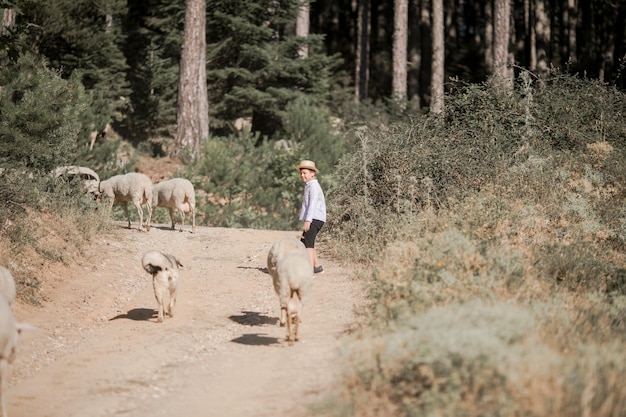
(43, 116)
(254, 64)
(85, 36)
(154, 31)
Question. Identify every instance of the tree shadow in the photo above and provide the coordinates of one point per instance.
(253, 318)
(254, 339)
(139, 314)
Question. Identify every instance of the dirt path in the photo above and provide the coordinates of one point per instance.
(222, 354)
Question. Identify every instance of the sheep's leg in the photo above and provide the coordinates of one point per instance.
(4, 373)
(158, 293)
(140, 213)
(170, 310)
(192, 211)
(283, 316)
(290, 338)
(173, 220)
(149, 206)
(296, 324)
(182, 218)
(125, 207)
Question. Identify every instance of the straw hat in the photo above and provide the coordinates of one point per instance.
(308, 165)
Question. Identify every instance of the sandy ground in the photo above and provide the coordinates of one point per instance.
(102, 353)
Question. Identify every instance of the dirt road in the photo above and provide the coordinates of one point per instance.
(102, 353)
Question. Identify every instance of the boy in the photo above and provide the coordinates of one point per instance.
(313, 212)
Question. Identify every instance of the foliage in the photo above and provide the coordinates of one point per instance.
(85, 37)
(42, 116)
(495, 237)
(255, 69)
(44, 220)
(247, 185)
(155, 34)
(41, 219)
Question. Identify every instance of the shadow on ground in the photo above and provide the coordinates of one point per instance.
(139, 314)
(253, 318)
(255, 339)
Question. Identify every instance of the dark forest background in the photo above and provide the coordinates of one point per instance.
(127, 54)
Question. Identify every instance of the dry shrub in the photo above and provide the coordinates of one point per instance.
(503, 274)
(53, 225)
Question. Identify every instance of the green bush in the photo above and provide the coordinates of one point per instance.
(245, 185)
(42, 116)
(42, 219)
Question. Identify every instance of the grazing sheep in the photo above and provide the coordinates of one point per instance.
(88, 176)
(7, 284)
(289, 265)
(134, 187)
(164, 270)
(176, 193)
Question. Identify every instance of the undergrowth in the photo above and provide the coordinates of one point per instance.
(495, 238)
(44, 221)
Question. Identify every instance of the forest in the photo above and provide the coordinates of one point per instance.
(472, 154)
(127, 54)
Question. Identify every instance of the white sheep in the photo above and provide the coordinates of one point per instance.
(289, 265)
(7, 284)
(164, 270)
(89, 177)
(134, 187)
(10, 329)
(176, 193)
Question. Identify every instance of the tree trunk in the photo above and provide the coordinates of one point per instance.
(302, 26)
(542, 36)
(8, 18)
(361, 78)
(502, 15)
(436, 84)
(571, 20)
(414, 54)
(489, 54)
(400, 36)
(193, 104)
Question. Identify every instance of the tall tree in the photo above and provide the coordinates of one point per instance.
(541, 44)
(254, 69)
(155, 30)
(193, 103)
(302, 26)
(571, 19)
(83, 36)
(400, 37)
(436, 83)
(361, 76)
(502, 15)
(489, 35)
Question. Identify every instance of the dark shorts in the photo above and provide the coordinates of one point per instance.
(308, 238)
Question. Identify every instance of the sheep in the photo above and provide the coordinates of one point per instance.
(164, 270)
(133, 186)
(289, 265)
(7, 284)
(89, 177)
(176, 193)
(10, 330)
